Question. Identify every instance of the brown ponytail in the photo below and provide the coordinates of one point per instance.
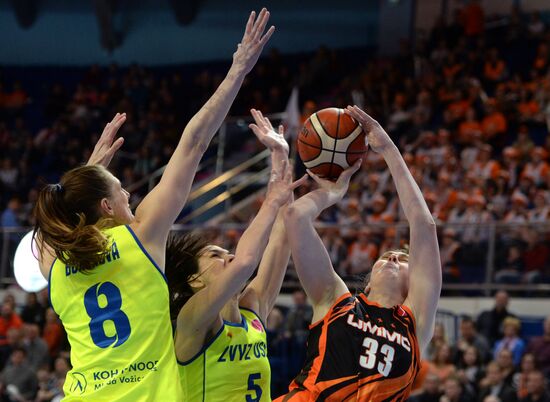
(68, 217)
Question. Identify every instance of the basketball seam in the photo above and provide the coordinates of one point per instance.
(330, 150)
(335, 142)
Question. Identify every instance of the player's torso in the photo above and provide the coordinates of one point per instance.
(361, 352)
(233, 366)
(117, 321)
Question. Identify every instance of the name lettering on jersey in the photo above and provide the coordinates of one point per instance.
(373, 329)
(244, 351)
(133, 373)
(111, 255)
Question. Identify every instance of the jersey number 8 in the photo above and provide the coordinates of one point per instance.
(109, 312)
(368, 359)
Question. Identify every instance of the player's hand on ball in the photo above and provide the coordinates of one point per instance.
(253, 42)
(273, 140)
(280, 185)
(106, 147)
(336, 190)
(377, 137)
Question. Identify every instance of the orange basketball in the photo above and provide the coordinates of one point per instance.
(330, 142)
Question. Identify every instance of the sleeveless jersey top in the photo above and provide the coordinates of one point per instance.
(118, 324)
(360, 351)
(232, 367)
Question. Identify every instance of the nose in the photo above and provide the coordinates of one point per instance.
(393, 258)
(230, 257)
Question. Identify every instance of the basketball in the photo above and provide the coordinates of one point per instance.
(330, 142)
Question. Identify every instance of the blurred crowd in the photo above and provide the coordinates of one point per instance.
(469, 107)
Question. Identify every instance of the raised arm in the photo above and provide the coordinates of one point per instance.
(260, 295)
(158, 211)
(199, 314)
(424, 260)
(317, 276)
(102, 154)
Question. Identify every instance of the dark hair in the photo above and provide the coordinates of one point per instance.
(182, 264)
(68, 217)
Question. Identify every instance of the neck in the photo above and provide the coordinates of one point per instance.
(230, 312)
(385, 299)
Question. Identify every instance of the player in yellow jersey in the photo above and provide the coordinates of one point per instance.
(106, 266)
(220, 335)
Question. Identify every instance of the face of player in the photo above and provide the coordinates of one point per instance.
(391, 271)
(212, 262)
(117, 205)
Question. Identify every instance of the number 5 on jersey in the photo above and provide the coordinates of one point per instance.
(107, 312)
(368, 359)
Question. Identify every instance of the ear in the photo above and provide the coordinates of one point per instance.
(196, 282)
(367, 289)
(105, 206)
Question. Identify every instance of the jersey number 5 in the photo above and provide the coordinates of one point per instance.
(109, 311)
(369, 358)
(252, 386)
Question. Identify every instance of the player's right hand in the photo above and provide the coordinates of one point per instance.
(252, 44)
(273, 140)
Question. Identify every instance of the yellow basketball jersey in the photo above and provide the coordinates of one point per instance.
(232, 367)
(117, 320)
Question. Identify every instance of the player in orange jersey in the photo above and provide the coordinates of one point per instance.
(366, 347)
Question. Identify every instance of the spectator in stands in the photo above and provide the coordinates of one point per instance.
(18, 377)
(511, 341)
(468, 337)
(298, 318)
(8, 319)
(439, 338)
(470, 370)
(505, 360)
(528, 365)
(336, 248)
(489, 322)
(33, 312)
(539, 346)
(493, 384)
(537, 388)
(35, 347)
(10, 216)
(442, 364)
(361, 254)
(430, 390)
(53, 333)
(453, 391)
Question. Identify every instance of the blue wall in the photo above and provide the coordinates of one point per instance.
(66, 32)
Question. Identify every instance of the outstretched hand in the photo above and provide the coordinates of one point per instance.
(377, 137)
(336, 190)
(281, 186)
(273, 140)
(253, 42)
(105, 148)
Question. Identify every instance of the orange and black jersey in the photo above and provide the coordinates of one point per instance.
(359, 351)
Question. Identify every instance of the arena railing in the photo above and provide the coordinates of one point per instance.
(477, 268)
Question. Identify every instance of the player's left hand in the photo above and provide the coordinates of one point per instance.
(273, 140)
(253, 42)
(106, 148)
(336, 190)
(377, 137)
